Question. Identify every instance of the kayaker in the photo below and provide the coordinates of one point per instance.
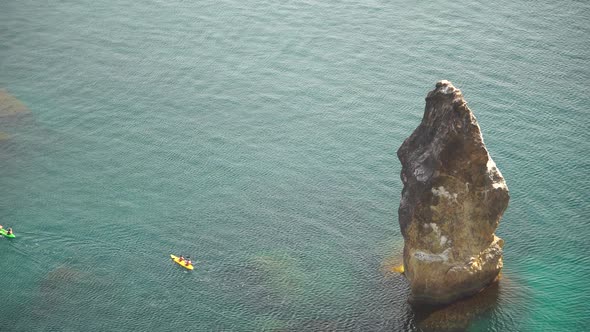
(181, 258)
(9, 231)
(188, 262)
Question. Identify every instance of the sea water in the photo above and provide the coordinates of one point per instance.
(259, 138)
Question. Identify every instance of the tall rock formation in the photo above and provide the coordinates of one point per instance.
(451, 204)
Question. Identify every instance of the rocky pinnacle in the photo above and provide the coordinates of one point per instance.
(452, 201)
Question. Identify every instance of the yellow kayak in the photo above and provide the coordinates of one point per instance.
(183, 263)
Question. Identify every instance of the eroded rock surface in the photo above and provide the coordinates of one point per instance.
(451, 204)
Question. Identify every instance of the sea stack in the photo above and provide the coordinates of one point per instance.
(451, 203)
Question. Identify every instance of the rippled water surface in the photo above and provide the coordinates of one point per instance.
(259, 138)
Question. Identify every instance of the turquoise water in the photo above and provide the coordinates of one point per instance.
(259, 138)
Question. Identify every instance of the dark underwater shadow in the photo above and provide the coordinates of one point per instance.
(457, 316)
(10, 106)
(15, 117)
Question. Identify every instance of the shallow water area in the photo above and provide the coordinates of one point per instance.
(259, 138)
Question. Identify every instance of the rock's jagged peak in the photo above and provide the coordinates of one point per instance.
(447, 135)
(445, 87)
(452, 201)
(444, 105)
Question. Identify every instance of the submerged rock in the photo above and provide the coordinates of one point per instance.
(9, 105)
(451, 204)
